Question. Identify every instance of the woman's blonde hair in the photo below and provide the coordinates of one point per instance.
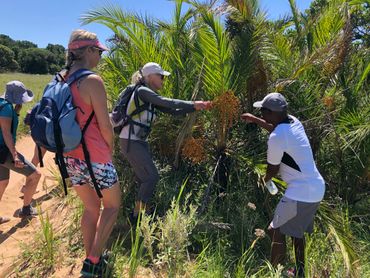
(77, 54)
(137, 78)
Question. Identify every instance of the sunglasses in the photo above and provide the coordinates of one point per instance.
(99, 50)
(161, 76)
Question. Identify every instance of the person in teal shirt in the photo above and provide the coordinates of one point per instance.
(10, 159)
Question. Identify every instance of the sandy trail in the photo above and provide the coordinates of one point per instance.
(18, 231)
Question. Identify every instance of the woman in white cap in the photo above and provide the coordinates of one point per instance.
(10, 159)
(133, 137)
(84, 52)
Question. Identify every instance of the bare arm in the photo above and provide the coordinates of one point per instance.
(93, 86)
(6, 127)
(250, 118)
(271, 171)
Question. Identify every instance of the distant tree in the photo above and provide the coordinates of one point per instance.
(25, 44)
(7, 41)
(56, 48)
(58, 52)
(34, 60)
(27, 57)
(7, 62)
(360, 20)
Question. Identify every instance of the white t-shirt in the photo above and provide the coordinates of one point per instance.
(288, 146)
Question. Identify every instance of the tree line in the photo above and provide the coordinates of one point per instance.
(24, 56)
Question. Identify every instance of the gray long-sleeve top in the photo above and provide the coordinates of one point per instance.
(163, 104)
(166, 105)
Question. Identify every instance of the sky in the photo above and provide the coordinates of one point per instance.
(52, 21)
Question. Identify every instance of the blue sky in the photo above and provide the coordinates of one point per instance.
(50, 21)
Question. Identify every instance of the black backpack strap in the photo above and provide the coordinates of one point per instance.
(59, 158)
(87, 156)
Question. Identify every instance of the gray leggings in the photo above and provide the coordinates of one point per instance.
(142, 163)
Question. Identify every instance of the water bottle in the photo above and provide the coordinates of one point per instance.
(271, 187)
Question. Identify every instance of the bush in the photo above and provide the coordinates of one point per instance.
(7, 62)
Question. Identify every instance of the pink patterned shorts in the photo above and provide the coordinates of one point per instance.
(105, 173)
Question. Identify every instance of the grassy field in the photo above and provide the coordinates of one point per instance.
(35, 82)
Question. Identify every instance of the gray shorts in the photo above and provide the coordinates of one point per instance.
(8, 165)
(294, 218)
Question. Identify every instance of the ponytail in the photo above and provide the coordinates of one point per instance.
(137, 78)
(70, 58)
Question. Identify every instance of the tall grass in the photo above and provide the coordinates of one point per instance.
(40, 256)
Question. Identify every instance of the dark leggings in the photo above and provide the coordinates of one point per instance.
(140, 159)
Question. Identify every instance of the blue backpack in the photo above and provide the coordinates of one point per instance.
(53, 123)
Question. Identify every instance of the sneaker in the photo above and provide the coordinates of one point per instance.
(104, 258)
(92, 270)
(28, 211)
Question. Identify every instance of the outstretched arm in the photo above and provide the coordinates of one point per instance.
(170, 105)
(250, 118)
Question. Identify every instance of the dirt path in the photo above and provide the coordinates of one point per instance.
(18, 231)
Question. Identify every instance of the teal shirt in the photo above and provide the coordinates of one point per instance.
(8, 112)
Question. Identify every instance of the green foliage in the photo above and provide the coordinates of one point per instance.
(40, 256)
(7, 62)
(317, 61)
(34, 60)
(29, 58)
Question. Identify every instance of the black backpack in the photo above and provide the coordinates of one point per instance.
(119, 115)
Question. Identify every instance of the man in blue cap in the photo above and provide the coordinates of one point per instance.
(289, 154)
(10, 159)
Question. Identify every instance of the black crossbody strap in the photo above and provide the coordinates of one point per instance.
(87, 156)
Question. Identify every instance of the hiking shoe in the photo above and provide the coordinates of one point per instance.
(104, 258)
(28, 211)
(4, 219)
(92, 270)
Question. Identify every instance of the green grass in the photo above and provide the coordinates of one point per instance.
(35, 82)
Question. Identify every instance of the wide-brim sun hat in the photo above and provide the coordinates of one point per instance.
(273, 101)
(17, 93)
(153, 68)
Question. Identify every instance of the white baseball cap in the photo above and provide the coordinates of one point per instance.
(153, 68)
